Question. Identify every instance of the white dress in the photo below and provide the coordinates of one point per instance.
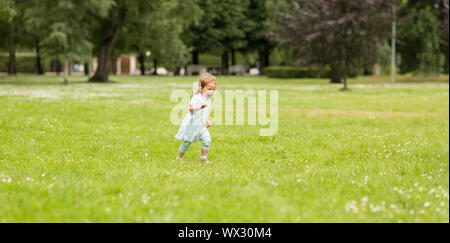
(194, 123)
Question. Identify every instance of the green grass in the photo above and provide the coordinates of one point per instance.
(106, 153)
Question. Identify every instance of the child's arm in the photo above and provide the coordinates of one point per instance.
(208, 124)
(196, 108)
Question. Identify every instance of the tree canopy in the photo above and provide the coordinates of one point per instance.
(334, 33)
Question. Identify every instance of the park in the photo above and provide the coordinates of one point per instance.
(88, 94)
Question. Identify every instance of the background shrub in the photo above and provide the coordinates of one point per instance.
(297, 72)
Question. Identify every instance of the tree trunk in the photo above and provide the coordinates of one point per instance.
(195, 57)
(110, 34)
(66, 71)
(113, 65)
(58, 67)
(225, 62)
(12, 62)
(264, 59)
(70, 67)
(177, 71)
(267, 57)
(141, 60)
(40, 71)
(345, 69)
(86, 68)
(155, 65)
(233, 57)
(335, 74)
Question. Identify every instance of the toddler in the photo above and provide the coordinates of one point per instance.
(195, 125)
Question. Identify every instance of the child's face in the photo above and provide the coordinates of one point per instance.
(209, 90)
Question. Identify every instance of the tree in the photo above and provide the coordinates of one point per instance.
(11, 29)
(420, 37)
(444, 16)
(257, 34)
(134, 17)
(223, 26)
(65, 27)
(336, 33)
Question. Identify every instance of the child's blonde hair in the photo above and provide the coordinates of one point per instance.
(205, 79)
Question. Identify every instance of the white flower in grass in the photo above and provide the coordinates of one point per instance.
(145, 199)
(351, 207)
(427, 204)
(364, 200)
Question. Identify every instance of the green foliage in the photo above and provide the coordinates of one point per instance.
(7, 11)
(12, 30)
(64, 25)
(24, 64)
(419, 36)
(297, 72)
(223, 25)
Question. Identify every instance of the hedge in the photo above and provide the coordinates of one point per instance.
(24, 64)
(296, 72)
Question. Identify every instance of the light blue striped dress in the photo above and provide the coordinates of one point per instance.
(193, 125)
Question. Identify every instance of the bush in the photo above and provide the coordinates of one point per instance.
(24, 64)
(297, 72)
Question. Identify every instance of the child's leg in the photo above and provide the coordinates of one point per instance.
(206, 140)
(183, 148)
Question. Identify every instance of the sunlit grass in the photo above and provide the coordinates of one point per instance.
(106, 153)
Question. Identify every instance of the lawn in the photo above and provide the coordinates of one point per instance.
(106, 153)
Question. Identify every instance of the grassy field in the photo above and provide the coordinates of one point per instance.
(106, 153)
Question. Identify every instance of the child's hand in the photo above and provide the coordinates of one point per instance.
(192, 108)
(208, 124)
